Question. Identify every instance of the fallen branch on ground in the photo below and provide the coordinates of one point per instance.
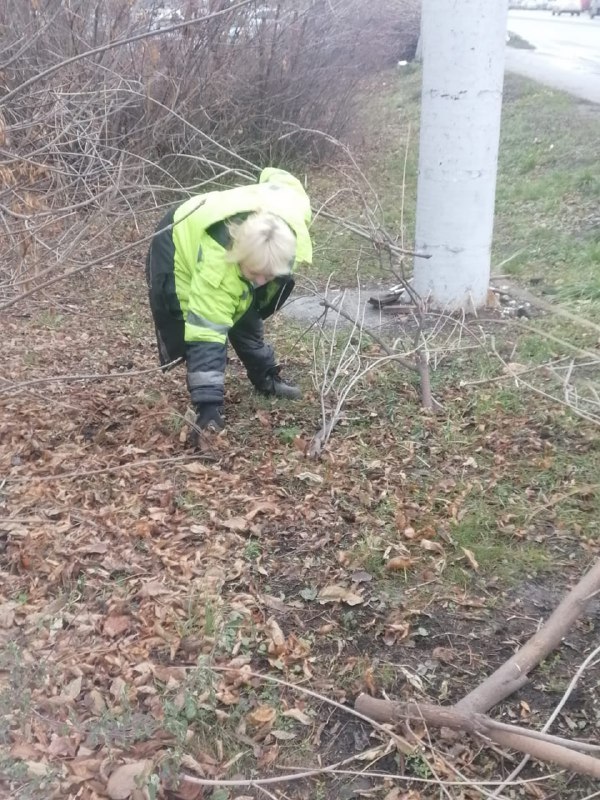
(400, 360)
(513, 674)
(570, 401)
(468, 714)
(339, 380)
(336, 377)
(145, 462)
(582, 668)
(244, 673)
(15, 387)
(554, 749)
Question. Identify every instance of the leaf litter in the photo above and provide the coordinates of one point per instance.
(126, 573)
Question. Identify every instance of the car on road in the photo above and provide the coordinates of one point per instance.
(594, 9)
(572, 7)
(529, 5)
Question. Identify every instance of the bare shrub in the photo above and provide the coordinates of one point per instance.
(111, 107)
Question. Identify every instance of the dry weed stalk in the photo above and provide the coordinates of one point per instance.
(339, 364)
(576, 390)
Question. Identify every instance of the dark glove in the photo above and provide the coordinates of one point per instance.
(209, 417)
(269, 298)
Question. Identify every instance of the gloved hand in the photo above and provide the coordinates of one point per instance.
(209, 417)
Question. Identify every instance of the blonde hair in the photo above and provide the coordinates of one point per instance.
(263, 245)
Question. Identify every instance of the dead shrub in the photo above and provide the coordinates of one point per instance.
(266, 82)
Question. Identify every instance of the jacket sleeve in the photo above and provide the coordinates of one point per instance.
(209, 318)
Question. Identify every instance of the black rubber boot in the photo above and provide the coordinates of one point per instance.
(273, 385)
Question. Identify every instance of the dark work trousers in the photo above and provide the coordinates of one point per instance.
(246, 336)
(164, 303)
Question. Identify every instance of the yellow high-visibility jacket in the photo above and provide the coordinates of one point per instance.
(212, 292)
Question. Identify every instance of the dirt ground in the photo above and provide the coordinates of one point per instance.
(133, 569)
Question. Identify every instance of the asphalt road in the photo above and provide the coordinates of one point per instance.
(566, 55)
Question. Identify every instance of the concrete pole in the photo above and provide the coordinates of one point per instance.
(463, 72)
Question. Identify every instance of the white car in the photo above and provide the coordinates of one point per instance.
(572, 7)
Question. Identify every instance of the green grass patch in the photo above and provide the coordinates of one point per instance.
(548, 190)
(504, 559)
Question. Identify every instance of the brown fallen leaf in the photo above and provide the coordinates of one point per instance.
(373, 753)
(127, 778)
(204, 765)
(262, 715)
(7, 614)
(189, 762)
(399, 794)
(398, 563)
(116, 625)
(445, 654)
(339, 594)
(301, 444)
(273, 602)
(277, 644)
(361, 576)
(153, 589)
(264, 418)
(268, 756)
(394, 794)
(195, 468)
(235, 524)
(118, 688)
(395, 633)
(69, 694)
(24, 751)
(169, 674)
(61, 746)
(470, 558)
(401, 520)
(283, 736)
(84, 768)
(262, 507)
(434, 547)
(200, 530)
(94, 548)
(298, 715)
(525, 709)
(310, 477)
(188, 791)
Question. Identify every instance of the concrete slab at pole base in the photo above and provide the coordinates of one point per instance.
(463, 71)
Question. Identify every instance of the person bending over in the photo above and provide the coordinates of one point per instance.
(219, 264)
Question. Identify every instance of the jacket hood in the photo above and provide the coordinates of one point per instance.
(277, 192)
(279, 177)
